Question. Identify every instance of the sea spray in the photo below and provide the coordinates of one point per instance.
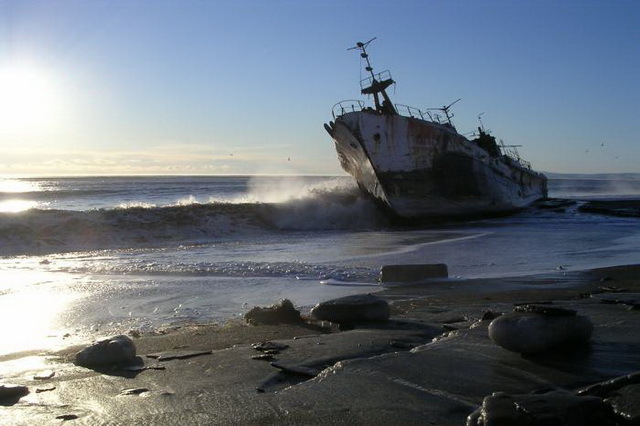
(298, 204)
(186, 221)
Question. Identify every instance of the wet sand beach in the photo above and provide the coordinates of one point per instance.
(432, 363)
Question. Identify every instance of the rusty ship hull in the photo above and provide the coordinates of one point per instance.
(418, 168)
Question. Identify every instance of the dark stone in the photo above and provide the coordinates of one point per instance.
(554, 408)
(64, 417)
(10, 393)
(535, 333)
(490, 315)
(112, 351)
(282, 312)
(352, 309)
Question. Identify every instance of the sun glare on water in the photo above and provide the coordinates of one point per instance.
(31, 305)
(28, 102)
(10, 195)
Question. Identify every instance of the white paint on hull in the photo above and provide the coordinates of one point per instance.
(395, 158)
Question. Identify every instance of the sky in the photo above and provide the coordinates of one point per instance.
(244, 87)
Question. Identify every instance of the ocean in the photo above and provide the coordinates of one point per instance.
(87, 256)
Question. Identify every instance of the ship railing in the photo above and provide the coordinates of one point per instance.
(409, 111)
(525, 163)
(355, 105)
(413, 112)
(511, 151)
(349, 105)
(365, 83)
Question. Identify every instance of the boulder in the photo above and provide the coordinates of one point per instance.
(352, 309)
(553, 408)
(412, 273)
(534, 331)
(626, 402)
(282, 312)
(10, 393)
(118, 350)
(622, 393)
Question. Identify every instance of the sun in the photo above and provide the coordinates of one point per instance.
(27, 100)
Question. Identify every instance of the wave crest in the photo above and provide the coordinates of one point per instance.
(318, 208)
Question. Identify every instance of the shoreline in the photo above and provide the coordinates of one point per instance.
(432, 362)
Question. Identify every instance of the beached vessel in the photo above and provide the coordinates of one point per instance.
(416, 164)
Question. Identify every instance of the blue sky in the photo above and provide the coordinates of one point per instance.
(243, 87)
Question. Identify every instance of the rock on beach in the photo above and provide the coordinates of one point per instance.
(118, 350)
(10, 393)
(282, 312)
(352, 309)
(554, 408)
(534, 332)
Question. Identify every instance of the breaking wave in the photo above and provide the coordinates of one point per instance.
(49, 231)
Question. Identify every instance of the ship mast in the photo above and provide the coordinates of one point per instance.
(377, 84)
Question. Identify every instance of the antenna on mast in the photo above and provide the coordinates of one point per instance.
(446, 109)
(480, 120)
(376, 84)
(362, 47)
